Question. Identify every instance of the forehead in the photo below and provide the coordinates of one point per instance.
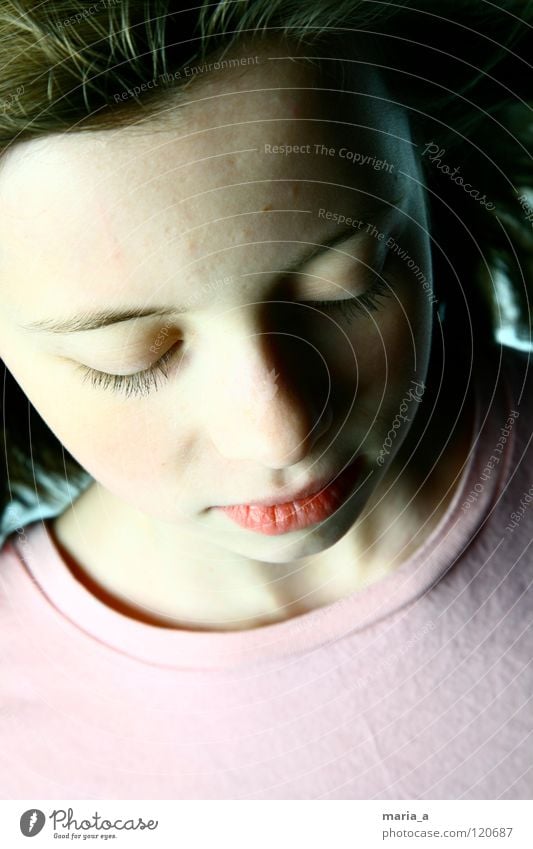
(248, 157)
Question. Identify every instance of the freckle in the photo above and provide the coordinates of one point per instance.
(266, 208)
(295, 190)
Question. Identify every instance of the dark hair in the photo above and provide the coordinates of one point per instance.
(459, 68)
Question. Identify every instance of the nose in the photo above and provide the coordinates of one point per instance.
(263, 408)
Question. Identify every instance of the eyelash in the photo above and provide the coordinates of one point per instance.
(349, 308)
(143, 382)
(140, 383)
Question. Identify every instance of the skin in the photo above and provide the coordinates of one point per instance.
(262, 398)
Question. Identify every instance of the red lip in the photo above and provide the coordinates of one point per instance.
(312, 505)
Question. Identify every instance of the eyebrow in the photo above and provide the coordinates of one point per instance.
(82, 322)
(96, 320)
(346, 234)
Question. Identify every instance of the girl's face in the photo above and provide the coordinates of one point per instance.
(222, 228)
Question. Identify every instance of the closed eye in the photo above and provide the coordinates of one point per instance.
(139, 383)
(363, 304)
(360, 305)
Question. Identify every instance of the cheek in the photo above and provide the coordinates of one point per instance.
(392, 346)
(111, 439)
(137, 449)
(390, 353)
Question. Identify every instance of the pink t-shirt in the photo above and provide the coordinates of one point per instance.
(418, 686)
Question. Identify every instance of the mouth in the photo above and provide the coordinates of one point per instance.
(310, 505)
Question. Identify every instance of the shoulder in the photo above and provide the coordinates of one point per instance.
(9, 547)
(11, 569)
(13, 545)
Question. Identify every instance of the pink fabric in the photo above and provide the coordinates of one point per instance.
(417, 687)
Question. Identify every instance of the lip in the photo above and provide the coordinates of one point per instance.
(310, 505)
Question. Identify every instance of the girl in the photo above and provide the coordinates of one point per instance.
(257, 264)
